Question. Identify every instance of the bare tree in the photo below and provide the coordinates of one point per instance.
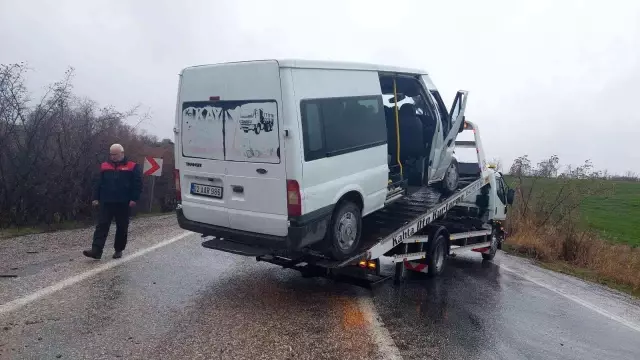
(52, 148)
(521, 166)
(562, 195)
(548, 167)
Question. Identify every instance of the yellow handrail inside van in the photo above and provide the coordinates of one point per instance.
(395, 100)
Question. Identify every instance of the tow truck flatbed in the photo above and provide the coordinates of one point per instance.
(399, 221)
(417, 231)
(382, 231)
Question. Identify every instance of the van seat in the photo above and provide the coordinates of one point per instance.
(411, 133)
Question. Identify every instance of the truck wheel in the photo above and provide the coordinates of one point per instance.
(449, 183)
(256, 130)
(345, 231)
(437, 251)
(493, 248)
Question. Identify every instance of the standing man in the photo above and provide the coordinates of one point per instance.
(116, 191)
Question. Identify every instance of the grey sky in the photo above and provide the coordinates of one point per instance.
(545, 77)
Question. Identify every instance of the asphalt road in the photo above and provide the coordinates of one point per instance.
(170, 298)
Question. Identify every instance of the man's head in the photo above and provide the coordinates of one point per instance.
(116, 152)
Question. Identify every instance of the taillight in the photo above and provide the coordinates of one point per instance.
(176, 177)
(294, 201)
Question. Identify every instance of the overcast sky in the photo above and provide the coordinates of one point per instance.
(545, 77)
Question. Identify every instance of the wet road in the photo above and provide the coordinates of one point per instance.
(179, 300)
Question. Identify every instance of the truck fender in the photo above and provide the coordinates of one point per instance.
(435, 230)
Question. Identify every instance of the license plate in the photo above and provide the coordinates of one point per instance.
(206, 190)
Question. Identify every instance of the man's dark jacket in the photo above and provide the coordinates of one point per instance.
(118, 182)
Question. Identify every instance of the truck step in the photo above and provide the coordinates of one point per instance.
(470, 234)
(455, 249)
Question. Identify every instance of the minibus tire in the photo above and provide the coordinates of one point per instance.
(346, 219)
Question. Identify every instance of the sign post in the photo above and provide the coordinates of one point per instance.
(152, 167)
(153, 185)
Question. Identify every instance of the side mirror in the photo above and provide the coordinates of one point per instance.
(511, 194)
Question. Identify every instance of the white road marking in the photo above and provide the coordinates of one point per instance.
(577, 300)
(22, 301)
(379, 333)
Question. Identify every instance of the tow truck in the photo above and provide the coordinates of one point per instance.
(417, 232)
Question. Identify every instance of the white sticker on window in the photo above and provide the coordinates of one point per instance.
(252, 133)
(202, 132)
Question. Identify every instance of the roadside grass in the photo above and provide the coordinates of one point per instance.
(568, 269)
(602, 272)
(30, 230)
(588, 228)
(13, 232)
(590, 275)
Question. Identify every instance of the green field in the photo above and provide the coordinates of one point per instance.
(615, 215)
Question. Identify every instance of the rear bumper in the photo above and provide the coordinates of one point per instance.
(300, 234)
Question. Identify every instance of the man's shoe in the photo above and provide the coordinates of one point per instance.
(92, 254)
(117, 255)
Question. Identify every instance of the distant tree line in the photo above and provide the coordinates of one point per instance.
(550, 168)
(52, 147)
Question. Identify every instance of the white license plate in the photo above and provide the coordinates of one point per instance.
(206, 190)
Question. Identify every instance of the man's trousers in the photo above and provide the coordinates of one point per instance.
(109, 211)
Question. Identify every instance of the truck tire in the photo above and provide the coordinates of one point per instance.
(345, 230)
(449, 183)
(437, 251)
(493, 248)
(256, 130)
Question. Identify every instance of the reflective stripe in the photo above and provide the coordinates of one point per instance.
(128, 167)
(107, 166)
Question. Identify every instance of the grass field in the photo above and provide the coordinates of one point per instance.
(615, 215)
